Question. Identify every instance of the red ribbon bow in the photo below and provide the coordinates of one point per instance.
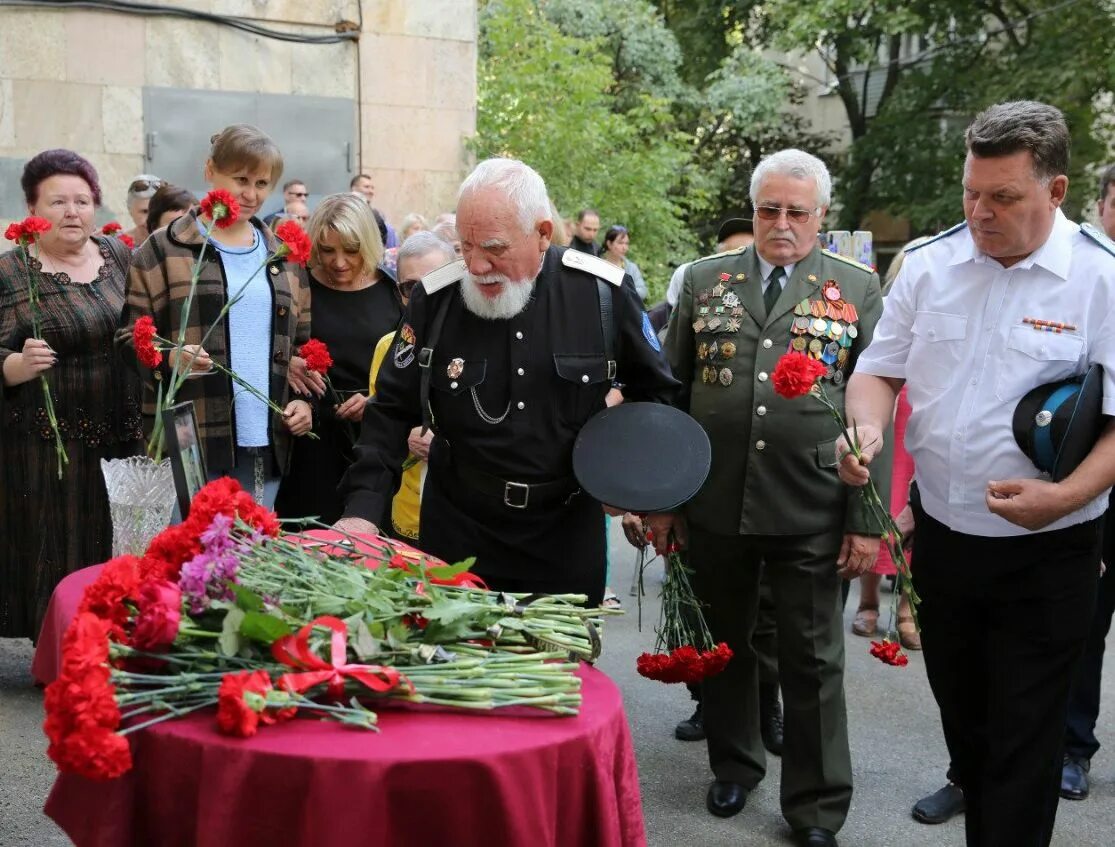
(294, 651)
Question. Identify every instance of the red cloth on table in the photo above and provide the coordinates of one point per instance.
(428, 778)
(901, 473)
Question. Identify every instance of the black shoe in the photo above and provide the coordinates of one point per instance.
(692, 728)
(726, 798)
(1074, 778)
(940, 806)
(814, 836)
(770, 719)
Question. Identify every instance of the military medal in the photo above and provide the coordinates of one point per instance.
(834, 312)
(737, 311)
(800, 326)
(709, 375)
(741, 277)
(703, 310)
(703, 297)
(820, 326)
(812, 277)
(714, 324)
(718, 310)
(838, 377)
(730, 299)
(798, 344)
(733, 325)
(850, 314)
(817, 308)
(725, 377)
(728, 349)
(699, 325)
(718, 290)
(712, 351)
(845, 340)
(802, 308)
(831, 291)
(455, 369)
(853, 332)
(724, 278)
(836, 329)
(815, 347)
(702, 351)
(841, 356)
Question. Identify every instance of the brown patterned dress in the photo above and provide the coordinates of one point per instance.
(51, 527)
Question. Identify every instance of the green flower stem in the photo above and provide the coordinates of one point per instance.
(177, 713)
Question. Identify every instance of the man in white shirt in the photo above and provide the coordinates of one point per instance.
(1006, 562)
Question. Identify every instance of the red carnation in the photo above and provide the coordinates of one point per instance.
(889, 652)
(296, 244)
(111, 228)
(685, 664)
(221, 207)
(118, 581)
(169, 550)
(85, 644)
(795, 374)
(129, 242)
(35, 226)
(143, 337)
(224, 496)
(14, 232)
(242, 703)
(316, 355)
(160, 611)
(95, 753)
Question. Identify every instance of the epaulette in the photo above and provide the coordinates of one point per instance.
(444, 276)
(593, 265)
(950, 231)
(1099, 237)
(737, 251)
(857, 265)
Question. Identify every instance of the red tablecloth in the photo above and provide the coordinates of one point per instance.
(428, 778)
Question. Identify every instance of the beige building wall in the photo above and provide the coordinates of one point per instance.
(75, 78)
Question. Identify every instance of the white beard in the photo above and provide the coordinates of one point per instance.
(508, 303)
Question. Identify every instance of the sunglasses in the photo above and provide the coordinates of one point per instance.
(773, 213)
(144, 185)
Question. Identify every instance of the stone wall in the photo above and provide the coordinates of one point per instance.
(75, 78)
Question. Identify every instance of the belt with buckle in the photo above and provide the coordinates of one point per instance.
(517, 495)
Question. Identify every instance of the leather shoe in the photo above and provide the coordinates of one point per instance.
(814, 836)
(726, 798)
(1074, 778)
(770, 719)
(692, 728)
(940, 806)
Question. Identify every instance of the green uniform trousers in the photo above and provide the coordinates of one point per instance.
(801, 570)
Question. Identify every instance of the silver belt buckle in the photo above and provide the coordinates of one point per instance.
(516, 486)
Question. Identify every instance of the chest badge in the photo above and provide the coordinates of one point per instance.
(455, 368)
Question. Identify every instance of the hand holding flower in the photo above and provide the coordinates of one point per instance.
(302, 380)
(852, 468)
(193, 355)
(298, 417)
(669, 530)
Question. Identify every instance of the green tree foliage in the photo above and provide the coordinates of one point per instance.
(554, 100)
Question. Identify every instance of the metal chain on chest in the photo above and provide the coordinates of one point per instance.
(484, 416)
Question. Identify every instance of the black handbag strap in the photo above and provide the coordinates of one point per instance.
(426, 361)
(607, 325)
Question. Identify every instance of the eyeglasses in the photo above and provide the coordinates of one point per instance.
(144, 185)
(773, 213)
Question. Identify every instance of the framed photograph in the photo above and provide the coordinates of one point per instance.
(184, 448)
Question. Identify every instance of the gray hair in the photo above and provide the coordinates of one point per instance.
(798, 164)
(521, 183)
(422, 244)
(1007, 128)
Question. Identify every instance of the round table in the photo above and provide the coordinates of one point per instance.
(428, 778)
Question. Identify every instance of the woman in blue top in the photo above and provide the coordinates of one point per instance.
(240, 435)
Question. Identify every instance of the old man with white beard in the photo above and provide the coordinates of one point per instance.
(506, 354)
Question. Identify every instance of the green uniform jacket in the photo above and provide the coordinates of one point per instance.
(773, 460)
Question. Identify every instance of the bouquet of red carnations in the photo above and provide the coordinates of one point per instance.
(684, 650)
(223, 611)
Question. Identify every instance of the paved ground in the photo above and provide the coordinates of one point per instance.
(897, 752)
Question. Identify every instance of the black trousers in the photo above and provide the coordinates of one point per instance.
(1084, 701)
(1004, 622)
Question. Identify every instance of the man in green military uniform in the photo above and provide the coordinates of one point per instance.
(773, 496)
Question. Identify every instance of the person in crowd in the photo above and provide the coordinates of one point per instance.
(772, 499)
(271, 316)
(734, 233)
(295, 195)
(509, 387)
(866, 621)
(140, 191)
(447, 231)
(421, 254)
(1006, 562)
(363, 185)
(168, 204)
(617, 241)
(355, 303)
(1081, 743)
(54, 525)
(413, 223)
(584, 232)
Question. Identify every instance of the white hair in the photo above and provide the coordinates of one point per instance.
(519, 182)
(423, 243)
(798, 164)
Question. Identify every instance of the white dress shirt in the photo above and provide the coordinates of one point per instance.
(673, 290)
(953, 328)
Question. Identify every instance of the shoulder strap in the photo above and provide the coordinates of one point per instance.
(1099, 237)
(426, 361)
(952, 230)
(607, 325)
(599, 268)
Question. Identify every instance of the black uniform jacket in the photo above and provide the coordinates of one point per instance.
(508, 398)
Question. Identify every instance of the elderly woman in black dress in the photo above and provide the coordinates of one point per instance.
(355, 303)
(53, 526)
